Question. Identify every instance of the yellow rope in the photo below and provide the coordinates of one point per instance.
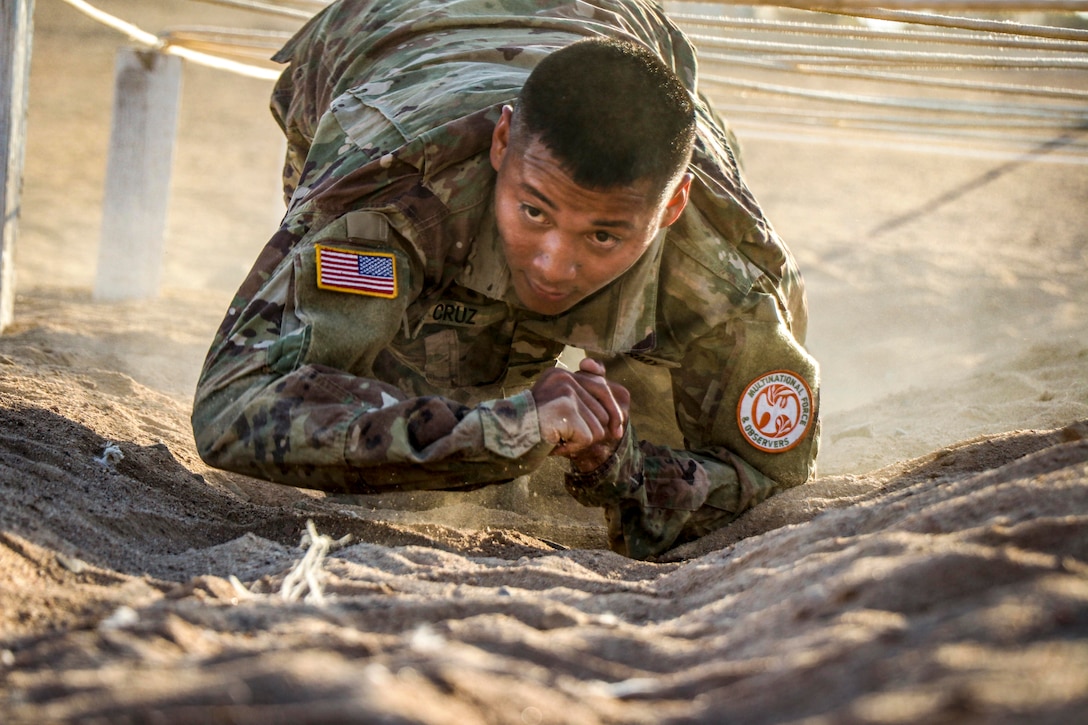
(155, 42)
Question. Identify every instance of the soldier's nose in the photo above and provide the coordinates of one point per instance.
(556, 261)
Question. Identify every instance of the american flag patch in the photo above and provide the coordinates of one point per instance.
(361, 273)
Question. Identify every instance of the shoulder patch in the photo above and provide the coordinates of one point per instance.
(363, 273)
(775, 411)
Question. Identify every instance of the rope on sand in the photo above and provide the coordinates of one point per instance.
(307, 575)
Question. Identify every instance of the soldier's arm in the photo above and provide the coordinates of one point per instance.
(285, 395)
(655, 495)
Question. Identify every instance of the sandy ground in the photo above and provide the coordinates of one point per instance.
(936, 571)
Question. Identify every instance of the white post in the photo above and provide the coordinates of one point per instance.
(147, 92)
(16, 25)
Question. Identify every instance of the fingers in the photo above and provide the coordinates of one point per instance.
(580, 409)
(611, 401)
(565, 424)
(570, 417)
(594, 367)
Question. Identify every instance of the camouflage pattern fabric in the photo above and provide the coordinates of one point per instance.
(388, 109)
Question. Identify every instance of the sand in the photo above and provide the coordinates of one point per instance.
(935, 571)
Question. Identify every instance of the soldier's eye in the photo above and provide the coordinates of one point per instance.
(604, 238)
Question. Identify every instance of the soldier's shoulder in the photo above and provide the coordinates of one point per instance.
(698, 254)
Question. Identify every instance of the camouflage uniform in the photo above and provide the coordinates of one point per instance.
(388, 108)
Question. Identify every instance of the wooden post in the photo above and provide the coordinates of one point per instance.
(147, 92)
(16, 25)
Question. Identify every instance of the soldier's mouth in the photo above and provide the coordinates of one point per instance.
(543, 299)
(547, 293)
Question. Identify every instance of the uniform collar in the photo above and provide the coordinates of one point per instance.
(485, 270)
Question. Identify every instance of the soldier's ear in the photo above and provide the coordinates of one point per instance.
(500, 137)
(678, 201)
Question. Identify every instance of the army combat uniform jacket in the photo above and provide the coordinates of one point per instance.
(376, 344)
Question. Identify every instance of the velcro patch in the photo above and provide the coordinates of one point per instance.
(363, 273)
(775, 411)
(458, 313)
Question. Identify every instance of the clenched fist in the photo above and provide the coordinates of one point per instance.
(581, 413)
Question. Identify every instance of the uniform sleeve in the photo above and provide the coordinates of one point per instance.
(745, 406)
(745, 401)
(287, 392)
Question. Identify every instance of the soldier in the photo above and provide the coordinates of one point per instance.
(472, 186)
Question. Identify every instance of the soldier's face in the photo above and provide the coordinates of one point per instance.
(564, 242)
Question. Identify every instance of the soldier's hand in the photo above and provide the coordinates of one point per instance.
(581, 413)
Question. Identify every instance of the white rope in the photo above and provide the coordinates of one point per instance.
(819, 53)
(307, 576)
(272, 39)
(964, 37)
(1003, 27)
(255, 46)
(839, 117)
(1000, 134)
(840, 61)
(156, 43)
(1065, 116)
(731, 47)
(725, 62)
(985, 5)
(1061, 144)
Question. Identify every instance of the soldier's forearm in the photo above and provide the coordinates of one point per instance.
(655, 497)
(324, 429)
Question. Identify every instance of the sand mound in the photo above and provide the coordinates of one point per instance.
(141, 586)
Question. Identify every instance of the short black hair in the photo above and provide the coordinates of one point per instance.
(610, 111)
